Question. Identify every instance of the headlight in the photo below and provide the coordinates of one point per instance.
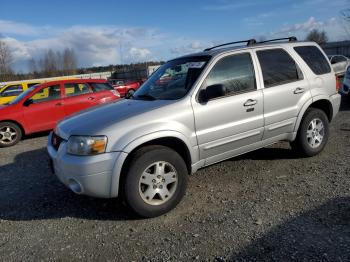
(86, 145)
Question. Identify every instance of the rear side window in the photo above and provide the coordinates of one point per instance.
(278, 67)
(314, 58)
(98, 87)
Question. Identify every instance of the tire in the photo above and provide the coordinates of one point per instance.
(311, 141)
(10, 134)
(151, 193)
(130, 93)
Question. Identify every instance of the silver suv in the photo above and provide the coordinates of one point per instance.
(195, 111)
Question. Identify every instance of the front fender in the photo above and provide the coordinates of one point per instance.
(129, 147)
(162, 134)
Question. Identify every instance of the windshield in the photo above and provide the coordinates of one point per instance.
(22, 95)
(173, 80)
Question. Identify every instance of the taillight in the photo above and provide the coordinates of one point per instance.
(338, 84)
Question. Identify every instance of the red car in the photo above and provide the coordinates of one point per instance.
(40, 107)
(126, 88)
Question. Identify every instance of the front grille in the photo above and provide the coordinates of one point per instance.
(56, 141)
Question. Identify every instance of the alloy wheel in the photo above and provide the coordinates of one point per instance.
(7, 135)
(158, 183)
(315, 133)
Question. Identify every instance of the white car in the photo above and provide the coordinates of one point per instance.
(345, 87)
(339, 63)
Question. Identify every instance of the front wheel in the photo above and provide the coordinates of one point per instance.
(10, 134)
(156, 181)
(313, 133)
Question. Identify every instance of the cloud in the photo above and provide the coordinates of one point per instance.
(187, 48)
(139, 53)
(307, 26)
(94, 45)
(332, 27)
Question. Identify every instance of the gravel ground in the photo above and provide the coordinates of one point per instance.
(266, 205)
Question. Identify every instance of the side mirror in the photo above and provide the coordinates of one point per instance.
(211, 92)
(28, 102)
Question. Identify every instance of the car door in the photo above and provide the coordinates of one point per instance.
(233, 122)
(77, 96)
(285, 91)
(44, 108)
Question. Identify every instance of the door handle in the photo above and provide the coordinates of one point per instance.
(299, 90)
(91, 98)
(59, 104)
(250, 102)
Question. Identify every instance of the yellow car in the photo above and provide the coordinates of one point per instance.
(11, 90)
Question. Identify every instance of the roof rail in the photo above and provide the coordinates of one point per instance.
(249, 42)
(290, 39)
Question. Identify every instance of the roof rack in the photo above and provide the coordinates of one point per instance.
(249, 42)
(290, 39)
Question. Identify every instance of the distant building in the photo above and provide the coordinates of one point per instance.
(337, 48)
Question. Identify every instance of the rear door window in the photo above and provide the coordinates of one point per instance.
(314, 58)
(278, 67)
(75, 89)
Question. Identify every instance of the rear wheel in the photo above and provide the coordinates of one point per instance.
(10, 134)
(313, 133)
(130, 93)
(156, 181)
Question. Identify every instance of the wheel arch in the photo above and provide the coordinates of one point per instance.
(321, 103)
(173, 142)
(15, 122)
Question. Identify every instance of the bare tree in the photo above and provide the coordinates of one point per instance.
(50, 63)
(317, 36)
(69, 61)
(32, 66)
(5, 62)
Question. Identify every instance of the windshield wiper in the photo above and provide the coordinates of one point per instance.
(145, 96)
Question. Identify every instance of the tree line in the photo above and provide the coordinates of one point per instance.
(54, 63)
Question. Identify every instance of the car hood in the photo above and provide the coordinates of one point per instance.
(96, 120)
